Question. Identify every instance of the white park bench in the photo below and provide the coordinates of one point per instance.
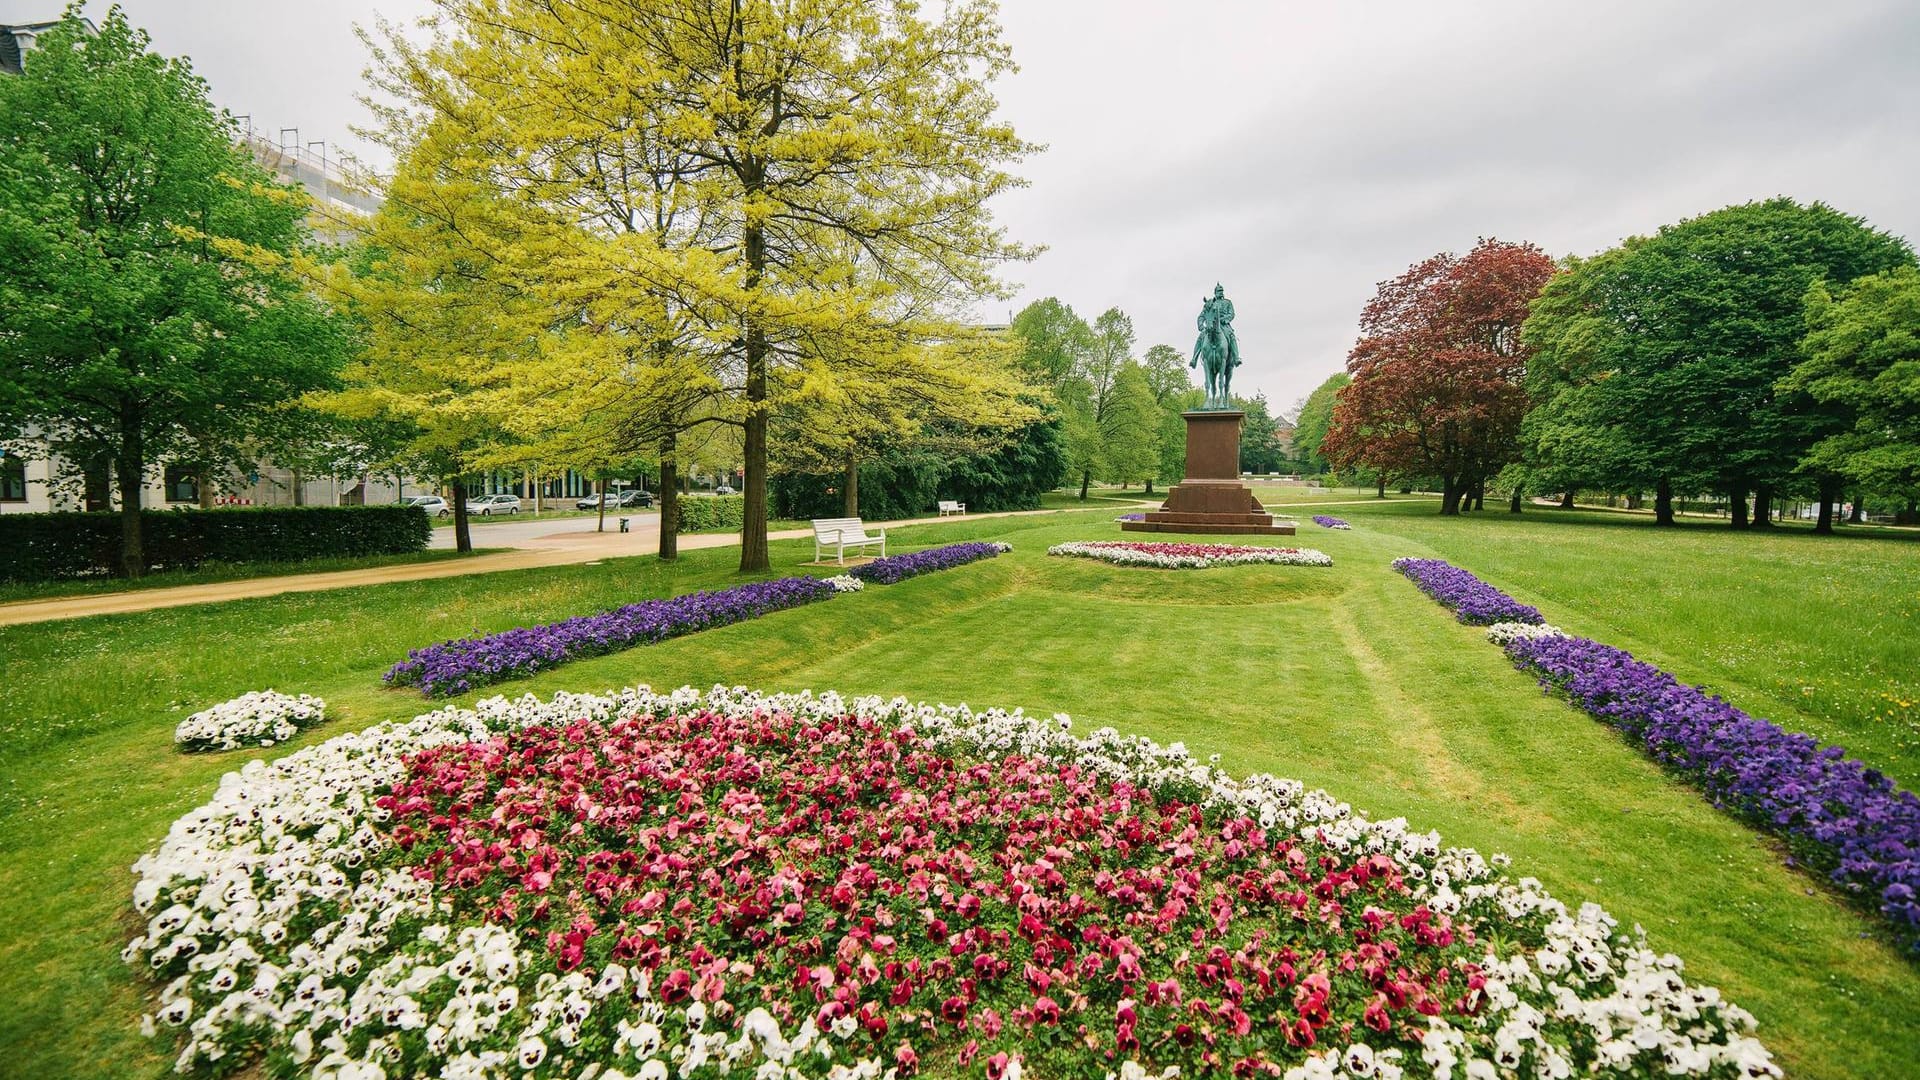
(841, 534)
(948, 506)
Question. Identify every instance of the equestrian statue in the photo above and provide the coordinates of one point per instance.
(1217, 352)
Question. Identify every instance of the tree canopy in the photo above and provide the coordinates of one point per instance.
(142, 323)
(1438, 371)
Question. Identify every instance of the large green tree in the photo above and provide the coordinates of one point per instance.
(832, 163)
(1863, 358)
(139, 319)
(1316, 415)
(1172, 384)
(1673, 348)
(1130, 428)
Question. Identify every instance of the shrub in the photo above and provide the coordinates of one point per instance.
(50, 547)
(718, 513)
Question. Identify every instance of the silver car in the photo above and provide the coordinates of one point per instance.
(432, 504)
(488, 505)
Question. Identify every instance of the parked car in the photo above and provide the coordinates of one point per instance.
(723, 489)
(592, 502)
(636, 498)
(488, 505)
(432, 504)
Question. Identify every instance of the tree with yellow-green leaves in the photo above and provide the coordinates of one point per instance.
(761, 206)
(443, 329)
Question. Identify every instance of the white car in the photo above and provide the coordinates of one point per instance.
(432, 504)
(724, 489)
(488, 505)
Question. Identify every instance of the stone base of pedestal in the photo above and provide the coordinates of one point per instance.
(1212, 499)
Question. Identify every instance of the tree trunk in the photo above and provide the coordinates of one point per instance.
(1858, 514)
(1737, 506)
(1086, 479)
(850, 488)
(203, 485)
(1449, 496)
(1480, 494)
(130, 471)
(600, 506)
(1829, 493)
(1519, 498)
(299, 488)
(753, 526)
(669, 501)
(462, 535)
(1380, 487)
(1763, 506)
(1149, 487)
(1663, 502)
(1566, 500)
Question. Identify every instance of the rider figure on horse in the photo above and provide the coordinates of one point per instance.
(1217, 352)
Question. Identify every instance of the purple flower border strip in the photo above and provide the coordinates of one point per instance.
(1835, 813)
(1328, 521)
(1471, 600)
(896, 568)
(454, 667)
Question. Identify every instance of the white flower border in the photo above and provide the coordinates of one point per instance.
(1121, 556)
(286, 844)
(258, 718)
(845, 583)
(1505, 633)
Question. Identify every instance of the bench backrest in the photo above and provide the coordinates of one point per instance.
(949, 504)
(838, 530)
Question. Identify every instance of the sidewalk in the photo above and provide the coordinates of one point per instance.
(566, 546)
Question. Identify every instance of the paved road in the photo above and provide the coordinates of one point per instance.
(568, 541)
(522, 530)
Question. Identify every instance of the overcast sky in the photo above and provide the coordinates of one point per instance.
(1301, 153)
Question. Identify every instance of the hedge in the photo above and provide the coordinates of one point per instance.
(49, 547)
(1011, 478)
(712, 513)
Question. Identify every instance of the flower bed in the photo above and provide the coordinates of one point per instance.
(1170, 556)
(259, 718)
(892, 569)
(1835, 812)
(646, 885)
(1472, 601)
(1138, 515)
(1330, 522)
(453, 667)
(1506, 633)
(845, 583)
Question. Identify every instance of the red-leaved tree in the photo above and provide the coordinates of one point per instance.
(1439, 371)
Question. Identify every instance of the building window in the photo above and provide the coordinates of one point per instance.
(13, 478)
(182, 484)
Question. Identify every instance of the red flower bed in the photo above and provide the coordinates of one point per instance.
(839, 869)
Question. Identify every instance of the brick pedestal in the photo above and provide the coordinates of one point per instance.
(1211, 499)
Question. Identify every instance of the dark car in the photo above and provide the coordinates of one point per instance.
(636, 498)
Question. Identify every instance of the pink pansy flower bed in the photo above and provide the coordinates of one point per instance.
(1177, 556)
(653, 885)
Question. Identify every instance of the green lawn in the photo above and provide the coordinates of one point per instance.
(215, 572)
(1346, 678)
